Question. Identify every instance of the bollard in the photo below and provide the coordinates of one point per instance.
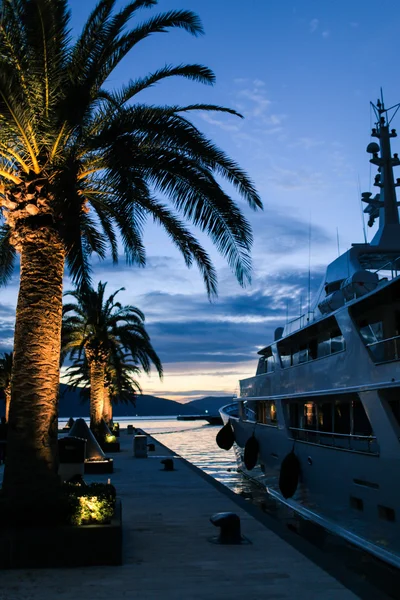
(168, 464)
(140, 446)
(229, 524)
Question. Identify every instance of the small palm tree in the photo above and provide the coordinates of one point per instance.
(6, 364)
(120, 384)
(104, 332)
(83, 167)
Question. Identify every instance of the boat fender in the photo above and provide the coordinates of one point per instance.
(289, 475)
(225, 437)
(251, 453)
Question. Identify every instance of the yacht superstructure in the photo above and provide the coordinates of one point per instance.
(326, 392)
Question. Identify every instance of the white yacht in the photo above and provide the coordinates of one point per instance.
(320, 420)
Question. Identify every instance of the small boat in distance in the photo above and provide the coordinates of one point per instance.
(321, 417)
(211, 419)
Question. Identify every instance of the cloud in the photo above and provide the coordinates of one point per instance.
(298, 179)
(286, 234)
(260, 103)
(229, 331)
(306, 143)
(219, 122)
(314, 25)
(325, 34)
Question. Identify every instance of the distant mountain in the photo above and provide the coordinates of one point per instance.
(210, 404)
(146, 406)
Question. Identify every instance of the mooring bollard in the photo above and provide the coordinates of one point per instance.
(140, 446)
(168, 464)
(229, 524)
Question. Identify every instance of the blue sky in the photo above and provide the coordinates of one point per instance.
(302, 74)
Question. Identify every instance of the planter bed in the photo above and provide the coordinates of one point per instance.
(63, 546)
(110, 447)
(96, 467)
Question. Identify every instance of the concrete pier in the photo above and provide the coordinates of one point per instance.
(167, 550)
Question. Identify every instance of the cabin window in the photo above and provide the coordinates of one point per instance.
(337, 343)
(361, 424)
(249, 410)
(324, 345)
(266, 364)
(297, 350)
(377, 319)
(392, 396)
(262, 366)
(271, 364)
(337, 420)
(310, 416)
(303, 354)
(286, 358)
(325, 416)
(266, 412)
(342, 417)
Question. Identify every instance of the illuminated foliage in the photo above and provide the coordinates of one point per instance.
(90, 504)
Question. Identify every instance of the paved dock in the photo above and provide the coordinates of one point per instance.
(167, 550)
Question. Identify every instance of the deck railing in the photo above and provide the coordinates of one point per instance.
(344, 441)
(391, 268)
(385, 350)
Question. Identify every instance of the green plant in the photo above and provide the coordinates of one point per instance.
(89, 504)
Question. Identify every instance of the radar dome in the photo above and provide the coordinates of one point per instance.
(373, 148)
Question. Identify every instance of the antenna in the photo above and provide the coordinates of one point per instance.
(361, 208)
(337, 239)
(309, 272)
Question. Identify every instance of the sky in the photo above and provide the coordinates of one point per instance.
(303, 75)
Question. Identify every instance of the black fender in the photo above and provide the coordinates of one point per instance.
(225, 437)
(289, 475)
(251, 453)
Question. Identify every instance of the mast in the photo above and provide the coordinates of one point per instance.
(385, 202)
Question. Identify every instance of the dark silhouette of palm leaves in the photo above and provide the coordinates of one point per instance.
(108, 331)
(92, 163)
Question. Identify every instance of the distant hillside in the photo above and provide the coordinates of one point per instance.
(210, 403)
(146, 406)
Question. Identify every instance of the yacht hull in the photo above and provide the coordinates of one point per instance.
(332, 484)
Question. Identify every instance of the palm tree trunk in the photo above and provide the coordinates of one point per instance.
(107, 408)
(7, 393)
(32, 463)
(97, 370)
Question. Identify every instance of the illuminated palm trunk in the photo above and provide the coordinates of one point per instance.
(32, 464)
(97, 370)
(107, 406)
(7, 394)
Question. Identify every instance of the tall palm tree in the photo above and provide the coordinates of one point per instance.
(82, 167)
(120, 384)
(6, 364)
(105, 332)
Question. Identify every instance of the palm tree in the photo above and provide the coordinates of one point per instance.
(105, 332)
(6, 364)
(82, 167)
(120, 384)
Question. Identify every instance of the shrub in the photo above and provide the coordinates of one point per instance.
(89, 504)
